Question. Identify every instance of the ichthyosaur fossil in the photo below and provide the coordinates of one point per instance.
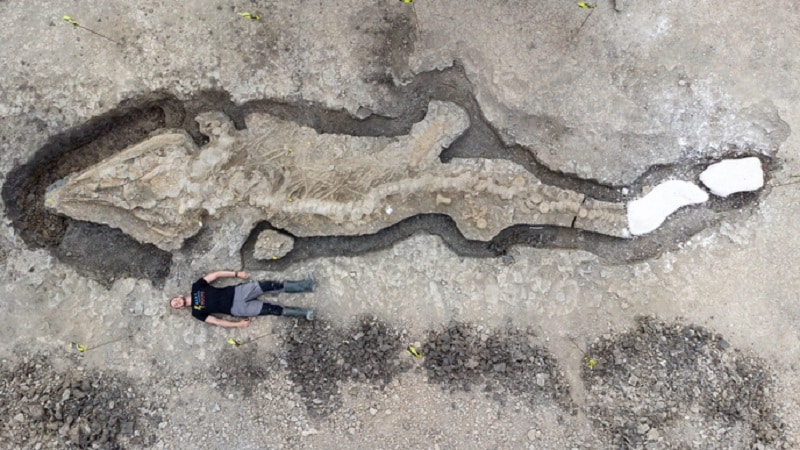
(159, 191)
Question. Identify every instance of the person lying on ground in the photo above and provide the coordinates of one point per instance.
(240, 300)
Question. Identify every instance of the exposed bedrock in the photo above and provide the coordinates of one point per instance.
(589, 100)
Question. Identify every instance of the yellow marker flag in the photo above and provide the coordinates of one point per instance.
(413, 351)
(250, 16)
(69, 19)
(78, 347)
(585, 5)
(234, 342)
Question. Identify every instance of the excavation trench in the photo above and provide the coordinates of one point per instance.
(105, 253)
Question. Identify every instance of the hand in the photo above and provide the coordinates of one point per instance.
(243, 275)
(244, 323)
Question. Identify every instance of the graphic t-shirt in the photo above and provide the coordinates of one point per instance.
(207, 299)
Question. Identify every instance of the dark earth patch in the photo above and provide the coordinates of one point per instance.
(44, 407)
(86, 244)
(504, 362)
(672, 385)
(392, 36)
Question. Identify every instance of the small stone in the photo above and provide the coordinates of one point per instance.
(36, 412)
(373, 411)
(75, 434)
(272, 244)
(544, 208)
(652, 435)
(643, 428)
(126, 428)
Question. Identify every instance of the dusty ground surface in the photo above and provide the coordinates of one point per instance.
(528, 346)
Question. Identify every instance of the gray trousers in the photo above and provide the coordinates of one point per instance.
(245, 300)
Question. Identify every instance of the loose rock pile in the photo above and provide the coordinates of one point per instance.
(676, 385)
(47, 408)
(459, 357)
(320, 358)
(661, 385)
(506, 361)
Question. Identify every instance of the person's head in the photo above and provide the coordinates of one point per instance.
(179, 302)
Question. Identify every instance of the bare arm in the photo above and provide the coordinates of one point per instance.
(211, 277)
(228, 323)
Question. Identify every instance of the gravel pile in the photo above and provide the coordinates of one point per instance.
(45, 408)
(320, 358)
(505, 361)
(672, 385)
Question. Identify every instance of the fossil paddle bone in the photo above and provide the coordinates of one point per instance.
(309, 183)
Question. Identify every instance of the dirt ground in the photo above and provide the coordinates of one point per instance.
(546, 338)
